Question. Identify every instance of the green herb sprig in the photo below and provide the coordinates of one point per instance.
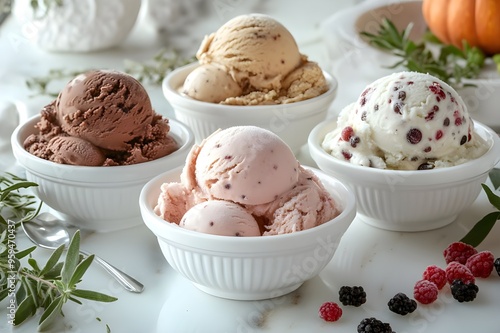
(155, 70)
(149, 72)
(41, 84)
(451, 64)
(31, 287)
(14, 204)
(51, 286)
(483, 227)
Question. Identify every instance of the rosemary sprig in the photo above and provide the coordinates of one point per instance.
(451, 64)
(14, 204)
(31, 287)
(154, 71)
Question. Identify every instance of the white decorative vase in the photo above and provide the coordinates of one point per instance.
(78, 25)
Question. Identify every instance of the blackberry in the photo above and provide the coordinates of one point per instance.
(497, 266)
(354, 296)
(463, 292)
(373, 325)
(402, 304)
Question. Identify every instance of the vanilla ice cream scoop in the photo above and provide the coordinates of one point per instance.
(245, 164)
(210, 83)
(406, 120)
(222, 218)
(256, 49)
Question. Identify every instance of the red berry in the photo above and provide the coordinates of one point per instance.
(458, 251)
(457, 271)
(481, 264)
(425, 291)
(346, 133)
(330, 311)
(435, 274)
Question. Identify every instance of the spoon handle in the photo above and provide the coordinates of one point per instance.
(124, 279)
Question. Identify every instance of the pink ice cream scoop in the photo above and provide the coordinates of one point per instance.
(245, 164)
(307, 205)
(223, 218)
(245, 181)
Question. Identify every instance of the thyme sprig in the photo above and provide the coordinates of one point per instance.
(450, 64)
(29, 287)
(155, 70)
(152, 71)
(41, 84)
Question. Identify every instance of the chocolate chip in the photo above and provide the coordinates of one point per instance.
(414, 136)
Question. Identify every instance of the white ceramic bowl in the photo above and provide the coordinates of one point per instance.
(356, 60)
(248, 268)
(407, 200)
(291, 122)
(95, 198)
(77, 26)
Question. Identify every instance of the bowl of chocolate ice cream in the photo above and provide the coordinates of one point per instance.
(251, 72)
(93, 148)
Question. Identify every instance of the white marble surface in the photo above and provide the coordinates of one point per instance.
(383, 262)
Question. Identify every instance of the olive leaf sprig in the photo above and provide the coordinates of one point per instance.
(482, 228)
(31, 287)
(451, 65)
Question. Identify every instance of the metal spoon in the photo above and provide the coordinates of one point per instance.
(48, 232)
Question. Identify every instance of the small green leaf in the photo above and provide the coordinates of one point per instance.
(93, 295)
(51, 313)
(495, 177)
(53, 260)
(481, 229)
(72, 258)
(55, 272)
(25, 310)
(80, 270)
(492, 197)
(24, 253)
(32, 262)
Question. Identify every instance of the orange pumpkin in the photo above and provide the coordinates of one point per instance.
(476, 21)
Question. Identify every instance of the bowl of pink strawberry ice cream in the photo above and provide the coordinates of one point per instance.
(243, 219)
(410, 151)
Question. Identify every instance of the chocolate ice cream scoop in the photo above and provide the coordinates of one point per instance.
(107, 108)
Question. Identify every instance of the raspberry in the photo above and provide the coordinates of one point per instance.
(497, 266)
(464, 292)
(458, 251)
(330, 311)
(481, 264)
(402, 304)
(425, 291)
(435, 274)
(455, 270)
(373, 325)
(352, 295)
